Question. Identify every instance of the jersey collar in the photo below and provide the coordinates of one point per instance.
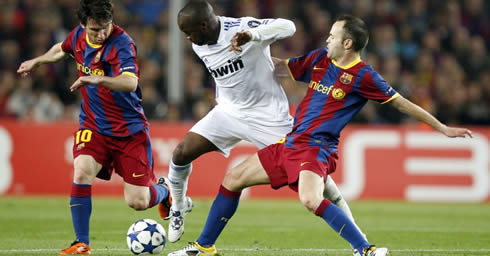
(350, 65)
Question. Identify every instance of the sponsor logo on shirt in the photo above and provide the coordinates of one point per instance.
(230, 67)
(92, 72)
(338, 94)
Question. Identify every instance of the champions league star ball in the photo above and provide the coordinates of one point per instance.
(146, 236)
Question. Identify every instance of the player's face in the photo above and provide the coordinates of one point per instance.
(192, 32)
(335, 41)
(97, 33)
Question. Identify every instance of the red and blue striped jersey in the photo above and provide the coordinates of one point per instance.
(103, 110)
(335, 94)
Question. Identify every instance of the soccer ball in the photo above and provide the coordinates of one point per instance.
(146, 236)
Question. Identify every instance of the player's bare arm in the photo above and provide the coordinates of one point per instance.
(126, 82)
(54, 54)
(280, 67)
(409, 108)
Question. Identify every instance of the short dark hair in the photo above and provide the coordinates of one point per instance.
(99, 10)
(198, 11)
(355, 29)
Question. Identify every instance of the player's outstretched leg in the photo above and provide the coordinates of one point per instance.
(332, 193)
(181, 204)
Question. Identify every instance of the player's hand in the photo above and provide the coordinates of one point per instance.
(27, 67)
(240, 39)
(84, 80)
(454, 132)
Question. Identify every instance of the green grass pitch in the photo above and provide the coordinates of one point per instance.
(42, 226)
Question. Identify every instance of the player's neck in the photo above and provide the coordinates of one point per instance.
(216, 28)
(348, 58)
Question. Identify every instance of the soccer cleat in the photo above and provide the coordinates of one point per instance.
(373, 251)
(76, 247)
(176, 223)
(355, 252)
(164, 206)
(195, 249)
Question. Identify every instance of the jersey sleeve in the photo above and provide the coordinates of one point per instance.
(268, 30)
(374, 87)
(68, 44)
(126, 56)
(300, 68)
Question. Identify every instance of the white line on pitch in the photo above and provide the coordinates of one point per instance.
(271, 249)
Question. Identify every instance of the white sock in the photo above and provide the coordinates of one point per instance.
(332, 193)
(178, 177)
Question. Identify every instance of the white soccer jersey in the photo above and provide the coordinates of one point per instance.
(245, 84)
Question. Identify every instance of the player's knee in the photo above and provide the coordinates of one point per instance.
(137, 203)
(180, 155)
(81, 175)
(309, 202)
(234, 180)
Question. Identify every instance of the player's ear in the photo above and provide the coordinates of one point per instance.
(83, 26)
(348, 43)
(204, 27)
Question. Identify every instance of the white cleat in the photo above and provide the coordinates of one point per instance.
(194, 249)
(373, 251)
(176, 221)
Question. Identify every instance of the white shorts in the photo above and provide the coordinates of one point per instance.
(225, 130)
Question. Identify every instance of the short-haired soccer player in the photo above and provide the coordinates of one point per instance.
(252, 105)
(339, 86)
(113, 132)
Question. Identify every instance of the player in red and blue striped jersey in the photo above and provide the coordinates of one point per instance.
(339, 86)
(113, 133)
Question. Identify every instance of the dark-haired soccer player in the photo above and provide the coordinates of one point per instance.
(113, 131)
(252, 105)
(339, 86)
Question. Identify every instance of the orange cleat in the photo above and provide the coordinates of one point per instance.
(76, 248)
(164, 206)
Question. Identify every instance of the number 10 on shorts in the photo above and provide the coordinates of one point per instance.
(83, 136)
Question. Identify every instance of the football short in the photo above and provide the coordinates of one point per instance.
(225, 130)
(283, 164)
(130, 156)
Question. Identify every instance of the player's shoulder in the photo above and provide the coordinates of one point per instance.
(77, 31)
(120, 36)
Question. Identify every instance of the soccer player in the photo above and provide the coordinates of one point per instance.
(252, 105)
(113, 132)
(339, 86)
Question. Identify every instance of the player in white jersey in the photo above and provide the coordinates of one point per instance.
(252, 105)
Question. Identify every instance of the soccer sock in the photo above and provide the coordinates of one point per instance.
(223, 208)
(337, 219)
(158, 193)
(178, 176)
(81, 208)
(332, 193)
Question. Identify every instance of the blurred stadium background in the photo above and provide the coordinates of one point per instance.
(434, 52)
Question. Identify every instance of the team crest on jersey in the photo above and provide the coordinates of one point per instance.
(253, 23)
(346, 78)
(338, 93)
(97, 57)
